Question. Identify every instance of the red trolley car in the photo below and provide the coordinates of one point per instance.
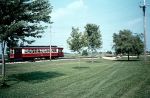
(32, 52)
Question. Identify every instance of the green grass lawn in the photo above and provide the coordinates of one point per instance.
(68, 79)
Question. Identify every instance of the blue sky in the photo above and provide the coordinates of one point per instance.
(110, 15)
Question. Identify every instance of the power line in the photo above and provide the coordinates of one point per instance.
(50, 48)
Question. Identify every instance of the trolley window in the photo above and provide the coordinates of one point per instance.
(11, 51)
(54, 50)
(60, 50)
(17, 51)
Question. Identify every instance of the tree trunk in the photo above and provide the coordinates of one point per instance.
(138, 56)
(3, 62)
(92, 57)
(79, 60)
(128, 56)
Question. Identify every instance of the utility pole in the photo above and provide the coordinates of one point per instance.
(144, 26)
(50, 47)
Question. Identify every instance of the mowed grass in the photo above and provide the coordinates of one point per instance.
(71, 79)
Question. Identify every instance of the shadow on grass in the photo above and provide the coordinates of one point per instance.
(34, 77)
(80, 67)
(128, 60)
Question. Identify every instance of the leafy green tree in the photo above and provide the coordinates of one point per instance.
(20, 19)
(122, 42)
(75, 41)
(94, 39)
(138, 44)
(109, 52)
(84, 53)
(126, 43)
(84, 40)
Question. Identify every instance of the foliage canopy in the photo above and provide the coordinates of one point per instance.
(19, 20)
(93, 36)
(75, 40)
(127, 43)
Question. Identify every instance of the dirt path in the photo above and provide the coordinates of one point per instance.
(109, 58)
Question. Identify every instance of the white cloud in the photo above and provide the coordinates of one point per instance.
(70, 9)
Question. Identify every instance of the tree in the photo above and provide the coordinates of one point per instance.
(20, 19)
(94, 39)
(75, 41)
(122, 42)
(138, 44)
(84, 53)
(126, 43)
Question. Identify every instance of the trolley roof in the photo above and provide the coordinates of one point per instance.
(37, 47)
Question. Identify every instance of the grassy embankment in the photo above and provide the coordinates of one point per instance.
(68, 79)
